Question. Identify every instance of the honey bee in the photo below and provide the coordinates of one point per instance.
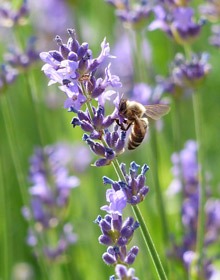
(136, 114)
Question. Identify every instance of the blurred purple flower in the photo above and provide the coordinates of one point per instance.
(177, 22)
(185, 170)
(15, 62)
(10, 17)
(185, 167)
(210, 10)
(132, 15)
(22, 60)
(215, 38)
(186, 75)
(8, 75)
(190, 73)
(50, 191)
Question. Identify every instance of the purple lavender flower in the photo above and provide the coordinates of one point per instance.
(117, 201)
(134, 187)
(215, 38)
(190, 73)
(185, 170)
(211, 10)
(22, 60)
(96, 124)
(116, 144)
(10, 17)
(116, 255)
(7, 76)
(178, 23)
(186, 75)
(185, 167)
(117, 234)
(74, 69)
(134, 16)
(50, 191)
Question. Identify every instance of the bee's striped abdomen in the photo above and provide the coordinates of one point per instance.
(138, 132)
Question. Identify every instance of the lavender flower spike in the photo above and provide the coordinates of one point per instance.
(51, 187)
(10, 17)
(73, 68)
(177, 23)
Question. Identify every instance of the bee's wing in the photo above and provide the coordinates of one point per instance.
(156, 111)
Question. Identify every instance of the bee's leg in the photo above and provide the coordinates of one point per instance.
(124, 126)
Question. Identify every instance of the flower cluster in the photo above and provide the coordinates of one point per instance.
(21, 60)
(7, 76)
(132, 15)
(177, 21)
(101, 140)
(116, 233)
(215, 38)
(10, 17)
(134, 185)
(186, 75)
(211, 10)
(17, 61)
(185, 170)
(74, 68)
(50, 191)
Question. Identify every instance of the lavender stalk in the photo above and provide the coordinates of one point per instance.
(5, 237)
(74, 69)
(202, 192)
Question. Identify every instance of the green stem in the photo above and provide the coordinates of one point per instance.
(202, 194)
(5, 252)
(150, 245)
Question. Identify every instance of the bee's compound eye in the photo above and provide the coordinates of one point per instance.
(122, 106)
